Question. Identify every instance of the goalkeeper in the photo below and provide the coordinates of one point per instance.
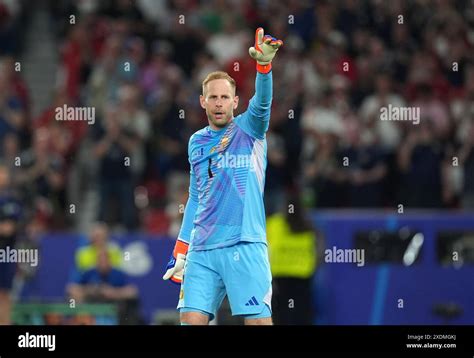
(221, 248)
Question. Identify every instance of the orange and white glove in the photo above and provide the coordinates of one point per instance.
(264, 50)
(175, 267)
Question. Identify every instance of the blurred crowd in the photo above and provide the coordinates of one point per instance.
(140, 65)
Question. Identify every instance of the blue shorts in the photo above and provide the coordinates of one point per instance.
(241, 271)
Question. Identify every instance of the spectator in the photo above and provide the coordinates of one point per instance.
(134, 121)
(433, 108)
(387, 132)
(113, 149)
(466, 159)
(10, 215)
(11, 26)
(69, 134)
(422, 161)
(106, 74)
(106, 284)
(365, 169)
(323, 173)
(12, 114)
(232, 38)
(293, 257)
(43, 177)
(18, 85)
(10, 154)
(86, 257)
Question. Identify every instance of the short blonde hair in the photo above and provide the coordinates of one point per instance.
(217, 75)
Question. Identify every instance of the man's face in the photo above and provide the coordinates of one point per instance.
(219, 101)
(99, 236)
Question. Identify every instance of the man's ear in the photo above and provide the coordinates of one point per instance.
(202, 101)
(236, 102)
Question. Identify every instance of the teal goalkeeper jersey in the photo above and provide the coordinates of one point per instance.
(227, 177)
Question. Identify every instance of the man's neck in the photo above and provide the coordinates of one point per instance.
(219, 129)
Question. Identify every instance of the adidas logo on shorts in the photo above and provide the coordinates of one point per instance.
(252, 302)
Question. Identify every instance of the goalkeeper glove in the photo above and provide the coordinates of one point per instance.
(264, 50)
(175, 267)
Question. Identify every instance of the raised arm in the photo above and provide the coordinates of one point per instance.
(257, 116)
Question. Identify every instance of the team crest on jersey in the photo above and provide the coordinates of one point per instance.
(223, 143)
(225, 140)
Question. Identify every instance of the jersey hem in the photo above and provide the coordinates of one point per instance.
(227, 244)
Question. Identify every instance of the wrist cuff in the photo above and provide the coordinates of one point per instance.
(264, 68)
(180, 248)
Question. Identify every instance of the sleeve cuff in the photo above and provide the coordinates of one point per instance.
(181, 247)
(264, 68)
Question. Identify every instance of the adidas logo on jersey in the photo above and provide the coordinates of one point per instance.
(198, 153)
